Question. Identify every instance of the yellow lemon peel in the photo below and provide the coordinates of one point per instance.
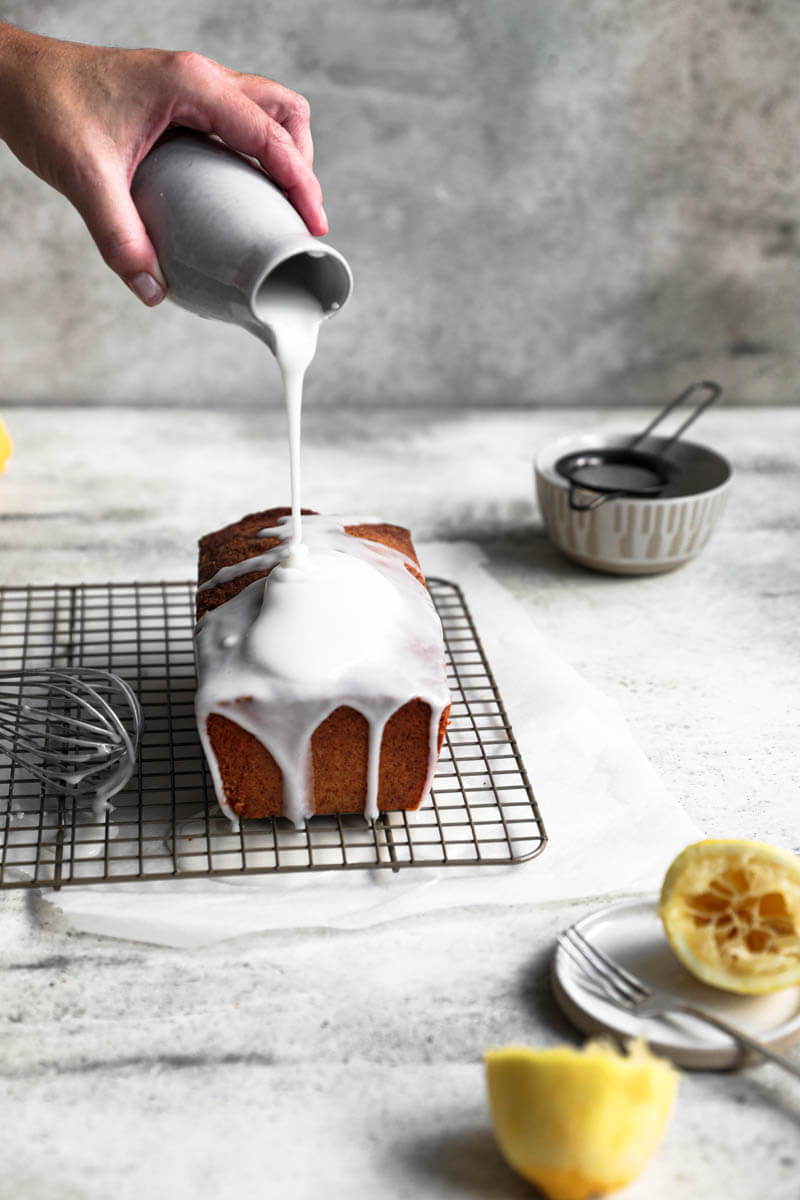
(579, 1123)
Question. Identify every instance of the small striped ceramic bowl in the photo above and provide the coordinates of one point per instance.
(635, 535)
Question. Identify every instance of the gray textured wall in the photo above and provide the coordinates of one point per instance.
(542, 201)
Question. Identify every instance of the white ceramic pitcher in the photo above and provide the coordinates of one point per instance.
(220, 227)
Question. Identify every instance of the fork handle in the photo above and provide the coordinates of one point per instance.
(744, 1039)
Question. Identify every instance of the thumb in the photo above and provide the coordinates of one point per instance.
(119, 234)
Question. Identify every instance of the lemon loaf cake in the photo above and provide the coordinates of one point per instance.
(321, 672)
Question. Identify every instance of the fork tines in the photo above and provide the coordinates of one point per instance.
(611, 979)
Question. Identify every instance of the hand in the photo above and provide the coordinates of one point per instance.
(84, 117)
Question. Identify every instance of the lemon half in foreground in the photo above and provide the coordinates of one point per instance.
(579, 1123)
(731, 913)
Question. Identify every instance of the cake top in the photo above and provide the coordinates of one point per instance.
(251, 538)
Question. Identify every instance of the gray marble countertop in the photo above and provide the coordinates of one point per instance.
(320, 1062)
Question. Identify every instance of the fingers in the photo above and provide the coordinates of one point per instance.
(259, 118)
(243, 125)
(104, 201)
(280, 158)
(289, 109)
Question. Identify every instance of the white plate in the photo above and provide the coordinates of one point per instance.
(632, 934)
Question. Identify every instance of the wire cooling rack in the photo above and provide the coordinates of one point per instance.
(166, 823)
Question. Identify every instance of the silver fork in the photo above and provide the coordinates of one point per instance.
(613, 983)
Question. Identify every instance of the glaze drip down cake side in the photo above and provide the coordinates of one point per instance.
(321, 680)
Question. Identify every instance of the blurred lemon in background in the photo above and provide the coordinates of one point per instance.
(731, 912)
(6, 446)
(579, 1123)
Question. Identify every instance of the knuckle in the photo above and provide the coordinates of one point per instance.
(300, 107)
(283, 104)
(190, 65)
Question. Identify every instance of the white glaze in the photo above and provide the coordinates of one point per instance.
(348, 626)
(340, 620)
(293, 316)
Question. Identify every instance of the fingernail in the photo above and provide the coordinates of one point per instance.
(158, 275)
(324, 216)
(148, 289)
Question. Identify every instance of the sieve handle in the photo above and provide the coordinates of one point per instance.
(714, 390)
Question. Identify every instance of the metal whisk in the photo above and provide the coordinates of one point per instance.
(76, 729)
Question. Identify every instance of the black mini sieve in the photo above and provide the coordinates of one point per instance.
(612, 472)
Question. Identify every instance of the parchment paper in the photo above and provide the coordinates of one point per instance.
(611, 823)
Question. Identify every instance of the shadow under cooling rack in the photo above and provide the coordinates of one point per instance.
(166, 823)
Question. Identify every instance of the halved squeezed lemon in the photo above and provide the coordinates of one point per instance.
(579, 1123)
(731, 912)
(6, 446)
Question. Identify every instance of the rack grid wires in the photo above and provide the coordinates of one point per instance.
(166, 823)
